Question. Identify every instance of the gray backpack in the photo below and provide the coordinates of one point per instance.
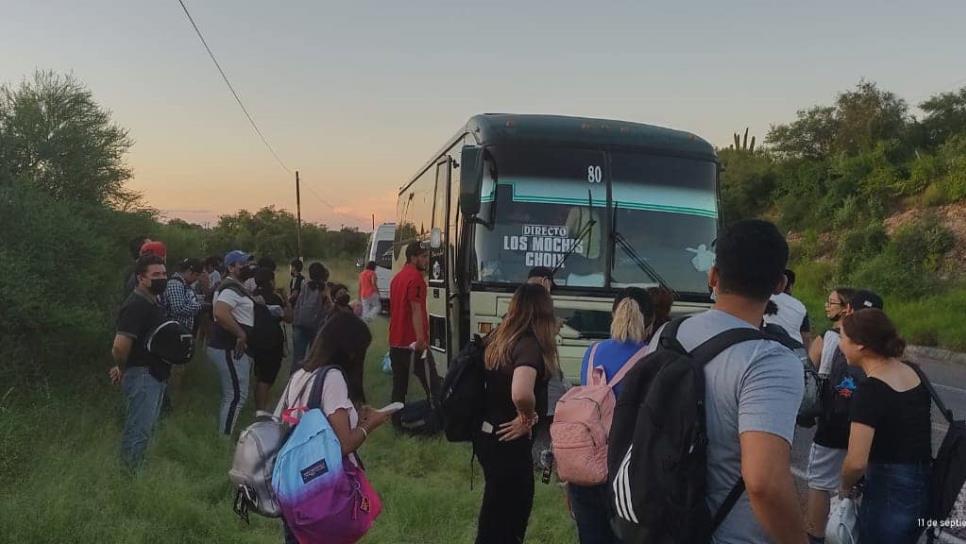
(310, 308)
(251, 468)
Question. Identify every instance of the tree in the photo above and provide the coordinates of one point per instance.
(945, 117)
(53, 135)
(856, 123)
(867, 115)
(748, 182)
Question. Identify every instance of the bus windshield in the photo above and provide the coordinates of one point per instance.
(664, 214)
(550, 207)
(544, 212)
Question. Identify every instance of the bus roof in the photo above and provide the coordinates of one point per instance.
(498, 128)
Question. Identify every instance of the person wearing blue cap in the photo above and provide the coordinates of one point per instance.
(234, 313)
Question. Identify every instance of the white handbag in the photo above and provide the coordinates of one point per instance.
(842, 522)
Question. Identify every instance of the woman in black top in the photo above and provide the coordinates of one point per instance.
(268, 362)
(889, 442)
(520, 356)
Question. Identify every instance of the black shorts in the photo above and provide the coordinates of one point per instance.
(267, 365)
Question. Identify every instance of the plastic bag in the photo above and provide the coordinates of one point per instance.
(386, 364)
(842, 527)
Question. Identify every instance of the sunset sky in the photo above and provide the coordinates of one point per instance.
(357, 95)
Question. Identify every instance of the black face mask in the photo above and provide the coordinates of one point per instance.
(342, 298)
(158, 285)
(246, 273)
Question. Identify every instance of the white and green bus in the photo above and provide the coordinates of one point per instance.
(608, 204)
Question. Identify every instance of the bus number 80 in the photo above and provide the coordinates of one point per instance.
(594, 174)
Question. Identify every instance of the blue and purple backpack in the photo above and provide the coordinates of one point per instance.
(323, 496)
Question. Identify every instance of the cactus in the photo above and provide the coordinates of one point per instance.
(741, 144)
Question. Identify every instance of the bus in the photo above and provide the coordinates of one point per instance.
(606, 204)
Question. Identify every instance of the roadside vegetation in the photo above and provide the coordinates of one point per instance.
(872, 196)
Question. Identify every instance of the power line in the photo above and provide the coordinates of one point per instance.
(232, 89)
(327, 203)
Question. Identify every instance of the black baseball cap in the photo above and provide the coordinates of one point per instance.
(542, 272)
(864, 299)
(193, 265)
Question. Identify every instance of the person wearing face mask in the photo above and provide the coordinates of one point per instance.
(234, 313)
(141, 374)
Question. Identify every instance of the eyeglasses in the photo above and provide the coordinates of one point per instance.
(831, 302)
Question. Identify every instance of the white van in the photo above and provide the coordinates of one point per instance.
(380, 250)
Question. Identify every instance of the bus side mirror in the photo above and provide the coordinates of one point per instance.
(471, 180)
(436, 238)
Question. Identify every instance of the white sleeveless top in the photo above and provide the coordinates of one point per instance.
(830, 342)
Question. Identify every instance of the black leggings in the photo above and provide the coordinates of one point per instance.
(508, 491)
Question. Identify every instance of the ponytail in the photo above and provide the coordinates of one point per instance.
(628, 324)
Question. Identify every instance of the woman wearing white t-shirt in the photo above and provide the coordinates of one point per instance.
(341, 343)
(234, 313)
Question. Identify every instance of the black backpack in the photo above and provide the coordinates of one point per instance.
(266, 335)
(657, 456)
(461, 400)
(171, 342)
(421, 417)
(948, 476)
(838, 389)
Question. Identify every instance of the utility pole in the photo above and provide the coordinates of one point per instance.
(373, 222)
(298, 212)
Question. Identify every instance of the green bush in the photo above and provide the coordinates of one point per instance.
(60, 272)
(859, 245)
(905, 265)
(922, 243)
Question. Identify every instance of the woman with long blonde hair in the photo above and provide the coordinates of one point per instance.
(521, 355)
(631, 326)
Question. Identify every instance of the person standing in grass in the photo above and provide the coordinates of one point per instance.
(409, 326)
(268, 361)
(342, 342)
(520, 356)
(141, 375)
(310, 308)
(181, 303)
(296, 281)
(234, 313)
(369, 292)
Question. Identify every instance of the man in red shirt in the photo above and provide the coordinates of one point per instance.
(409, 323)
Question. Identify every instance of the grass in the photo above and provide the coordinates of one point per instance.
(932, 320)
(61, 481)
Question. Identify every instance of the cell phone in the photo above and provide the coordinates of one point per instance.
(391, 408)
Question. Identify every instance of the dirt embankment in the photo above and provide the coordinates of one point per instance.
(952, 216)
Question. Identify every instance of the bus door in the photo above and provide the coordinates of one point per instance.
(439, 260)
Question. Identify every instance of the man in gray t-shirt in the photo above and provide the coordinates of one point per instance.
(752, 386)
(752, 391)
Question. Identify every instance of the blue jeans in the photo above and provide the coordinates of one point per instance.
(235, 376)
(143, 394)
(894, 499)
(301, 343)
(591, 507)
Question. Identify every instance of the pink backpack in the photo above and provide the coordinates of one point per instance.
(581, 424)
